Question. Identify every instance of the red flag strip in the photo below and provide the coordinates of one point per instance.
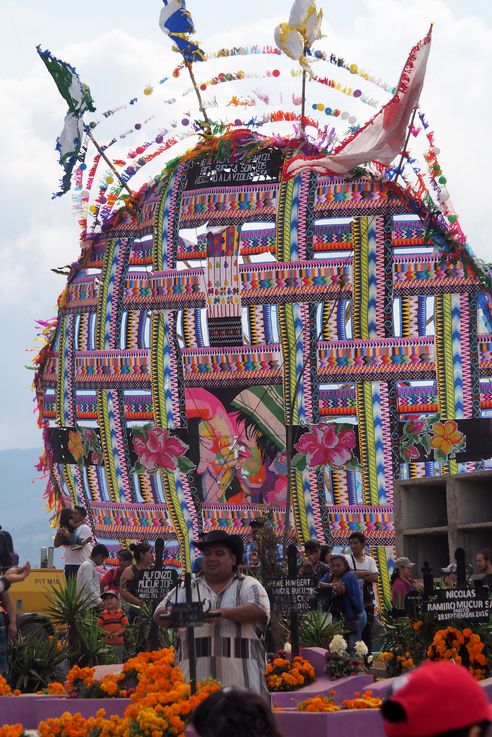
(381, 138)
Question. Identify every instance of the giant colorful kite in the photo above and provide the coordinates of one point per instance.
(285, 317)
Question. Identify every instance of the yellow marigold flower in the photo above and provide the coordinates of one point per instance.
(446, 436)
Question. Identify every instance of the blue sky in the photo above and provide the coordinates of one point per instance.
(118, 48)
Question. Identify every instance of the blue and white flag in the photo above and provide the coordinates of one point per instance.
(176, 22)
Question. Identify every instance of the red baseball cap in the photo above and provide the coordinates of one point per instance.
(435, 698)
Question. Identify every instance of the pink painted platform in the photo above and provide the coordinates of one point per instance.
(360, 723)
(343, 688)
(30, 710)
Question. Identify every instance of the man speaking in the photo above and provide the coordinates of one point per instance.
(228, 647)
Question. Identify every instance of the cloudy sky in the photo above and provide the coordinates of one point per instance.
(118, 49)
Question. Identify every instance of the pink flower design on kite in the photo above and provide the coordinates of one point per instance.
(325, 444)
(158, 449)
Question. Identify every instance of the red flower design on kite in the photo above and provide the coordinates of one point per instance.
(158, 449)
(415, 427)
(327, 445)
(410, 452)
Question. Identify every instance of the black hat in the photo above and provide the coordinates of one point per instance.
(257, 523)
(218, 537)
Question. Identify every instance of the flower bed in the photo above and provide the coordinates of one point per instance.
(160, 701)
(411, 642)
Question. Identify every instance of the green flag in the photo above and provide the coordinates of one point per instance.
(78, 98)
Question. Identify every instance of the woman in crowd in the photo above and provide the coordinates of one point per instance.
(401, 584)
(75, 535)
(64, 536)
(144, 556)
(8, 627)
(342, 595)
(112, 578)
(234, 712)
(7, 537)
(325, 555)
(65, 530)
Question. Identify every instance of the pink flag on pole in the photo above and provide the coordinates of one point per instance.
(381, 138)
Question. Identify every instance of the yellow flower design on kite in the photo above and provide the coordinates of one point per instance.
(76, 445)
(446, 436)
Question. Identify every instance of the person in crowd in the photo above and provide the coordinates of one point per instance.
(234, 712)
(437, 700)
(402, 583)
(111, 579)
(343, 597)
(9, 576)
(74, 535)
(484, 564)
(113, 622)
(255, 549)
(144, 556)
(229, 645)
(6, 539)
(12, 575)
(8, 623)
(312, 566)
(251, 548)
(366, 570)
(325, 555)
(449, 576)
(88, 579)
(64, 535)
(198, 562)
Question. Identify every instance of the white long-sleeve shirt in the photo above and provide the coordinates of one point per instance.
(88, 579)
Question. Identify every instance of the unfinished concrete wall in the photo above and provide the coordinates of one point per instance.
(434, 516)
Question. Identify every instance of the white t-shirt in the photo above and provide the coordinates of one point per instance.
(369, 564)
(78, 556)
(88, 581)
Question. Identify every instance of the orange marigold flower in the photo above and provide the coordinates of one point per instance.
(11, 730)
(5, 689)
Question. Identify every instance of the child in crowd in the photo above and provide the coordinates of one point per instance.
(113, 622)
